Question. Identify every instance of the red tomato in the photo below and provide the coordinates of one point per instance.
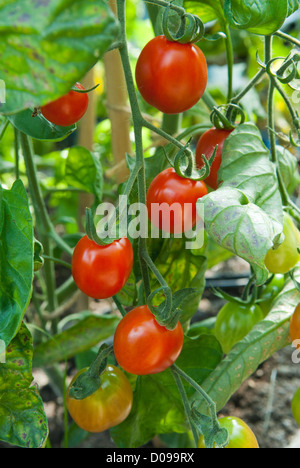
(102, 271)
(67, 109)
(295, 326)
(142, 346)
(171, 201)
(239, 433)
(206, 145)
(108, 406)
(171, 76)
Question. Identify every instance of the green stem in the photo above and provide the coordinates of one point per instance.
(138, 127)
(271, 122)
(186, 405)
(210, 403)
(287, 37)
(236, 99)
(230, 61)
(42, 220)
(45, 225)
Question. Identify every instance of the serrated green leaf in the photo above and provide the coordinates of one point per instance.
(257, 16)
(83, 335)
(16, 258)
(245, 214)
(22, 417)
(267, 337)
(207, 10)
(46, 46)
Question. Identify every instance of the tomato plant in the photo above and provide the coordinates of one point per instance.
(234, 321)
(68, 109)
(87, 279)
(205, 147)
(171, 76)
(296, 406)
(142, 346)
(101, 271)
(285, 257)
(105, 408)
(239, 433)
(171, 201)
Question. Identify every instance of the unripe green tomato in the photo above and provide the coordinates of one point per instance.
(296, 406)
(270, 292)
(239, 434)
(234, 322)
(286, 256)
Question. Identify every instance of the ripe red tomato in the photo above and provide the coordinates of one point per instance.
(68, 109)
(240, 434)
(108, 406)
(171, 201)
(206, 146)
(142, 346)
(295, 326)
(171, 76)
(102, 271)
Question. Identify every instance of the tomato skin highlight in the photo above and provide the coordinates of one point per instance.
(102, 271)
(295, 326)
(68, 109)
(142, 346)
(170, 76)
(239, 433)
(108, 406)
(169, 188)
(206, 146)
(234, 322)
(285, 257)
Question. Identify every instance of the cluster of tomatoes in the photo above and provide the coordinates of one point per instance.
(141, 345)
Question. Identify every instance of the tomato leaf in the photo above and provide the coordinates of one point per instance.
(207, 10)
(267, 337)
(22, 418)
(83, 335)
(157, 406)
(245, 214)
(16, 258)
(47, 46)
(38, 127)
(256, 16)
(84, 171)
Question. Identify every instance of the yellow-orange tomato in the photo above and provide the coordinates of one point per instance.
(239, 433)
(108, 406)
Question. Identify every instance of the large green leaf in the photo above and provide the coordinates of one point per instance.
(157, 406)
(207, 10)
(16, 258)
(48, 45)
(84, 171)
(267, 337)
(22, 417)
(38, 127)
(80, 337)
(245, 214)
(257, 16)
